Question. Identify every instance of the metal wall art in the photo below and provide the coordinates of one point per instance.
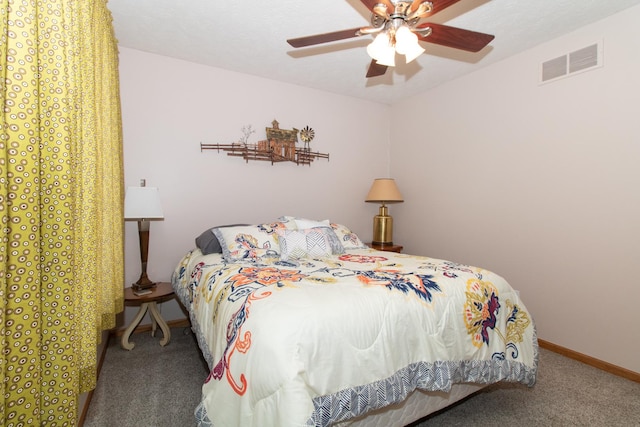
(280, 146)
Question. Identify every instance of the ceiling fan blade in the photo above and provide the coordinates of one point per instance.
(457, 38)
(324, 38)
(376, 69)
(371, 3)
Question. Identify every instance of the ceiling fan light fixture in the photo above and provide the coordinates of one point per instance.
(382, 51)
(407, 43)
(396, 24)
(405, 39)
(413, 52)
(387, 57)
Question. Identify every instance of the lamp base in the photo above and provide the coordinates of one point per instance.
(143, 283)
(373, 242)
(143, 235)
(382, 227)
(137, 287)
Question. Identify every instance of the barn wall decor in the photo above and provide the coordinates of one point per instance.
(281, 145)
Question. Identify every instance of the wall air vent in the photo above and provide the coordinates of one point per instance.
(578, 61)
(554, 68)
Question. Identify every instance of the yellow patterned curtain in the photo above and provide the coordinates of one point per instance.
(61, 192)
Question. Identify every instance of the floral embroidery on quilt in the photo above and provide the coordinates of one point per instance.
(480, 314)
(363, 259)
(248, 283)
(195, 279)
(264, 276)
(451, 269)
(480, 310)
(517, 322)
(421, 285)
(236, 340)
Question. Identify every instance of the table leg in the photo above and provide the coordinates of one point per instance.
(166, 332)
(127, 333)
(154, 324)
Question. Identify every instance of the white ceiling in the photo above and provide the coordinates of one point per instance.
(250, 37)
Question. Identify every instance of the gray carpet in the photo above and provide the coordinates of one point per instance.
(149, 386)
(158, 386)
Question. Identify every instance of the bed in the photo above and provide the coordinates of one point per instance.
(302, 324)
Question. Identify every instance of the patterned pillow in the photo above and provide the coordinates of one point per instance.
(318, 242)
(348, 238)
(288, 222)
(336, 246)
(248, 243)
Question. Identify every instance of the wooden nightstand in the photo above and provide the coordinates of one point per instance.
(388, 248)
(161, 293)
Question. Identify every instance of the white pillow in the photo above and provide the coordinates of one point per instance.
(303, 223)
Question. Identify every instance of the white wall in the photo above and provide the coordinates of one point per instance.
(170, 106)
(539, 183)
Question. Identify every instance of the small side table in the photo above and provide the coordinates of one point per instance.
(383, 247)
(160, 293)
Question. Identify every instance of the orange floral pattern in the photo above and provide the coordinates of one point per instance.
(248, 283)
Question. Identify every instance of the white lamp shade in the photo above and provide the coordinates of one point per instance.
(381, 50)
(405, 38)
(142, 203)
(407, 44)
(384, 190)
(412, 53)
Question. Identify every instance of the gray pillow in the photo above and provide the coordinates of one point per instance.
(208, 243)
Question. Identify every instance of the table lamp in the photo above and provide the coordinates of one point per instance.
(383, 190)
(142, 204)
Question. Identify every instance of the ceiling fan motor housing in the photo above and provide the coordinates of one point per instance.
(401, 15)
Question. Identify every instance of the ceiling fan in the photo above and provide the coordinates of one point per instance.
(398, 29)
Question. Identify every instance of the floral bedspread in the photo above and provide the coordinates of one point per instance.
(318, 341)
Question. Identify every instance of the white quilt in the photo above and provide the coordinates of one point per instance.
(318, 341)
